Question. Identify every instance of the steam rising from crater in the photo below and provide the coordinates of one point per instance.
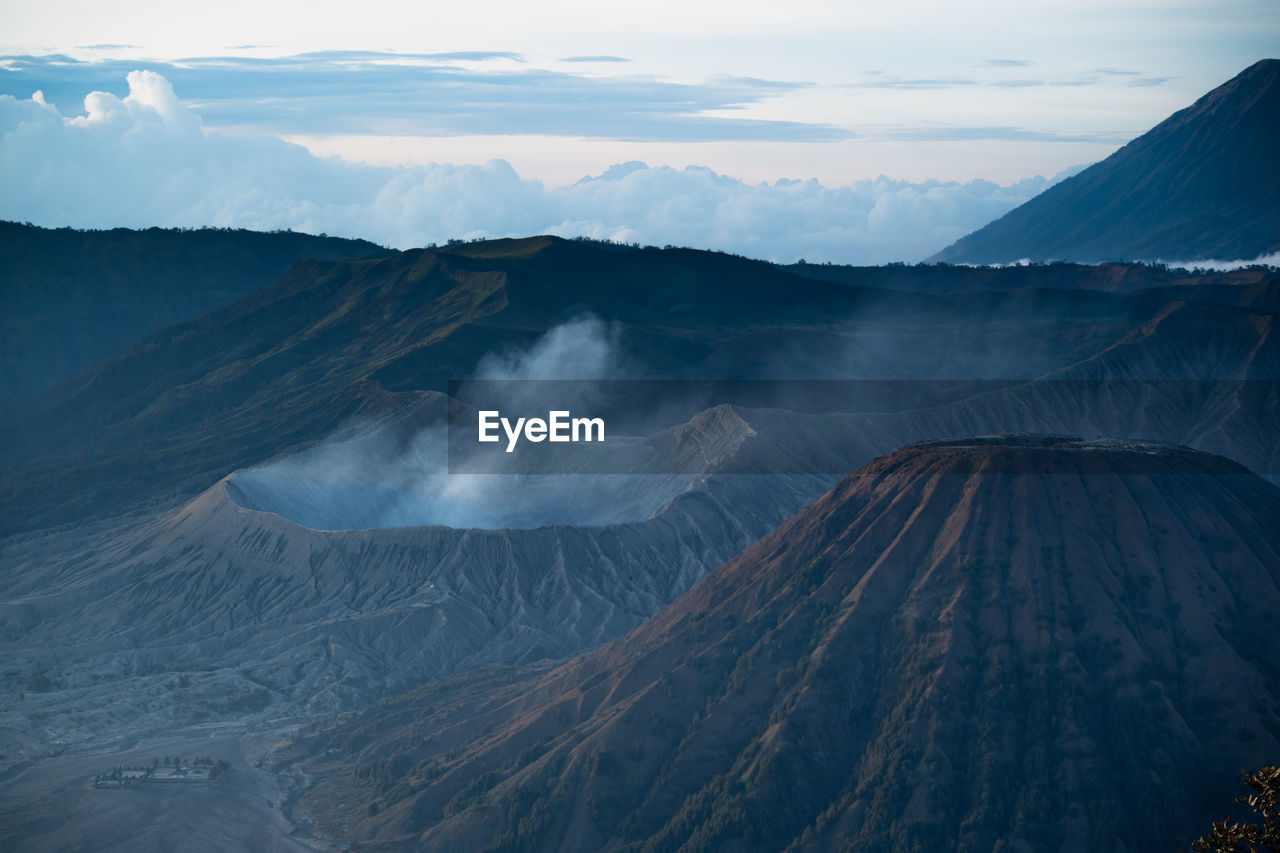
(368, 482)
(375, 475)
(583, 348)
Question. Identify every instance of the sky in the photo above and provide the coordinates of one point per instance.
(851, 132)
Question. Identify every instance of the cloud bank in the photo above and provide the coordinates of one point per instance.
(145, 159)
(434, 94)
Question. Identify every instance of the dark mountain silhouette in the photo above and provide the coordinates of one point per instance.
(74, 297)
(978, 644)
(1204, 183)
(286, 366)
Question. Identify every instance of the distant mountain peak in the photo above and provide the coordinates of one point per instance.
(1202, 184)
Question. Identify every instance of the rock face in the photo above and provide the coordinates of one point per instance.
(985, 644)
(1204, 183)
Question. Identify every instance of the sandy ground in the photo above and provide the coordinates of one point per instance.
(52, 806)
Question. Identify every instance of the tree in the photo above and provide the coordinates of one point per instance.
(1230, 837)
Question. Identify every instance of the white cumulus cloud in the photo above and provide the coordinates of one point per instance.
(146, 160)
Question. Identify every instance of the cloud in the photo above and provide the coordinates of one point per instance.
(1112, 77)
(145, 159)
(464, 55)
(1015, 84)
(879, 80)
(1147, 81)
(1271, 259)
(595, 59)
(431, 94)
(962, 133)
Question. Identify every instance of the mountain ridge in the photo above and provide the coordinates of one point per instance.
(1202, 184)
(283, 368)
(73, 297)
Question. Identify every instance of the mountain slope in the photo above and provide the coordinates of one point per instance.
(1204, 183)
(73, 297)
(285, 367)
(984, 644)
